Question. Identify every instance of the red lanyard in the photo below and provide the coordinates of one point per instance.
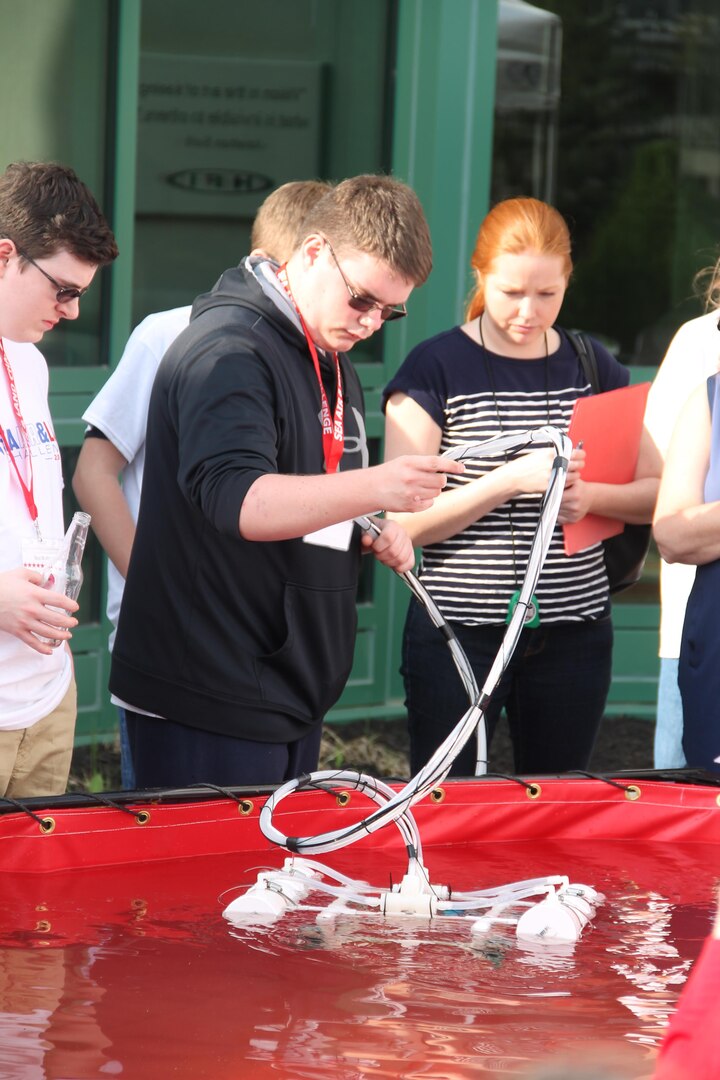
(27, 489)
(333, 428)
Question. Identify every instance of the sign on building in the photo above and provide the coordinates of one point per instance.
(215, 134)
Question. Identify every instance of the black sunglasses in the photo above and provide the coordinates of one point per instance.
(388, 312)
(64, 293)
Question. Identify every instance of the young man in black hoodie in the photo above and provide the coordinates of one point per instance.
(237, 626)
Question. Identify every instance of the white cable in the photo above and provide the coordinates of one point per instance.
(395, 806)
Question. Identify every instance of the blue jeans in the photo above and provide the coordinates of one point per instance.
(127, 772)
(553, 691)
(668, 750)
(168, 754)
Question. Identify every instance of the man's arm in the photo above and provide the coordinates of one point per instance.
(279, 507)
(96, 484)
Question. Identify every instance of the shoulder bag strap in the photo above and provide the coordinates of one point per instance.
(586, 354)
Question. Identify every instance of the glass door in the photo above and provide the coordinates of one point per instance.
(613, 115)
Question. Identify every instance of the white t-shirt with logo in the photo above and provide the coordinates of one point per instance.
(31, 684)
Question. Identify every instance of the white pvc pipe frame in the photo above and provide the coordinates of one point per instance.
(395, 806)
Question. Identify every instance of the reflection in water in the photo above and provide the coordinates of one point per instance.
(649, 960)
(134, 972)
(48, 1018)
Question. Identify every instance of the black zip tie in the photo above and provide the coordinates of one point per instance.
(328, 784)
(596, 776)
(42, 822)
(529, 785)
(222, 791)
(103, 800)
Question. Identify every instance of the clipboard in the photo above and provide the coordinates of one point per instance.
(610, 427)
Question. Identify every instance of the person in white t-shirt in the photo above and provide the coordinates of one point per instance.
(108, 476)
(53, 238)
(693, 355)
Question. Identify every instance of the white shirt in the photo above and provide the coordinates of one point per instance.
(120, 411)
(31, 684)
(693, 354)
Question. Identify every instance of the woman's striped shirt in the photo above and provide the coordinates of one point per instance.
(474, 394)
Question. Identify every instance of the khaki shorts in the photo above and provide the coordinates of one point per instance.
(36, 760)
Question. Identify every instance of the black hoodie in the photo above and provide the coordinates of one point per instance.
(247, 639)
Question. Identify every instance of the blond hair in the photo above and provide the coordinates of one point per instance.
(276, 223)
(707, 283)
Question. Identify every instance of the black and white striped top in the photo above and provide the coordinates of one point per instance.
(474, 394)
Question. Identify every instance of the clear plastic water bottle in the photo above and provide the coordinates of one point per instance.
(64, 574)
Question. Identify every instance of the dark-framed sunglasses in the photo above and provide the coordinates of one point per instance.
(63, 293)
(388, 312)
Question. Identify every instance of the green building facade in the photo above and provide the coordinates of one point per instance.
(181, 116)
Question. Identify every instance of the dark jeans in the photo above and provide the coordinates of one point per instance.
(127, 772)
(167, 754)
(553, 691)
(699, 671)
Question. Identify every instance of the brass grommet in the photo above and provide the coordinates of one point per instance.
(632, 792)
(533, 791)
(47, 825)
(717, 799)
(245, 806)
(142, 817)
(43, 927)
(342, 798)
(437, 795)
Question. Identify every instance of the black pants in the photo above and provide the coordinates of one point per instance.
(553, 691)
(167, 754)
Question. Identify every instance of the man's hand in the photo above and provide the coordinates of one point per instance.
(413, 482)
(25, 610)
(392, 547)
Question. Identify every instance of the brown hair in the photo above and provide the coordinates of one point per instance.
(380, 216)
(45, 208)
(512, 227)
(277, 221)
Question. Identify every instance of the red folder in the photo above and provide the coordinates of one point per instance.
(609, 427)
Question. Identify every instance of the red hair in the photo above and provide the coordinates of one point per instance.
(512, 227)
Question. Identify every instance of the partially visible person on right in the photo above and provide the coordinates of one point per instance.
(690, 1049)
(687, 530)
(693, 354)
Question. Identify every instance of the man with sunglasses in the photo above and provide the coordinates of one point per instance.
(53, 238)
(108, 475)
(238, 619)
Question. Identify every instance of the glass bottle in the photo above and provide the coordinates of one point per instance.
(64, 574)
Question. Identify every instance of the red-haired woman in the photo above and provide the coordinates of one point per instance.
(509, 368)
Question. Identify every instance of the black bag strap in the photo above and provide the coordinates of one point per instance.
(586, 355)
